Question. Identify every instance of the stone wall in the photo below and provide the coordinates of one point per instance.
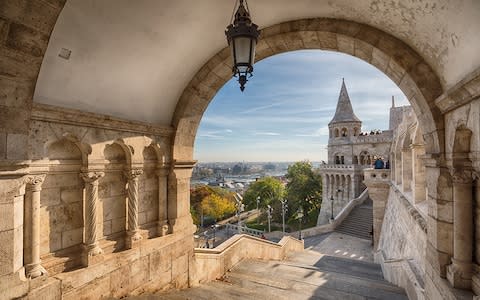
(402, 245)
(95, 207)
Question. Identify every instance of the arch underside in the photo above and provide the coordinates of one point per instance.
(390, 55)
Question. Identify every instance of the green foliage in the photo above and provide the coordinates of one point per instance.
(304, 189)
(269, 189)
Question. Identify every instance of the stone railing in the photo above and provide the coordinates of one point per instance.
(231, 228)
(327, 227)
(213, 263)
(340, 166)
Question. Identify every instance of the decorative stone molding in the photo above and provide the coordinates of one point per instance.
(163, 227)
(34, 182)
(91, 247)
(55, 114)
(462, 93)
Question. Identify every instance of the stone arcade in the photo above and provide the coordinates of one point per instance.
(100, 103)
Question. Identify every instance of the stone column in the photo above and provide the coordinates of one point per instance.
(133, 233)
(406, 170)
(418, 176)
(179, 216)
(162, 225)
(459, 273)
(33, 267)
(91, 247)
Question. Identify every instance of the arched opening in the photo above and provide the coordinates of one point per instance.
(337, 132)
(344, 132)
(62, 208)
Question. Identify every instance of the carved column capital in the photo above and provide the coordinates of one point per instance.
(132, 174)
(92, 177)
(34, 182)
(463, 176)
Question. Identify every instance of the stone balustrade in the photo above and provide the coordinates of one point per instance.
(214, 263)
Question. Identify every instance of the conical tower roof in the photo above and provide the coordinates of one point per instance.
(344, 112)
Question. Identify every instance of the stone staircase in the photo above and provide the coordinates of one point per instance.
(359, 222)
(296, 278)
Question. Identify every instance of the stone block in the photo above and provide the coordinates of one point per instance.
(17, 146)
(277, 44)
(310, 39)
(7, 238)
(327, 40)
(120, 282)
(139, 272)
(380, 59)
(395, 72)
(32, 13)
(293, 40)
(346, 44)
(71, 195)
(17, 65)
(107, 227)
(98, 289)
(113, 208)
(50, 288)
(363, 50)
(15, 93)
(72, 237)
(179, 265)
(118, 224)
(49, 196)
(27, 40)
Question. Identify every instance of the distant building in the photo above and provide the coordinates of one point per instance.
(349, 152)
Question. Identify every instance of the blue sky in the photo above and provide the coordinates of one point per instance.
(283, 113)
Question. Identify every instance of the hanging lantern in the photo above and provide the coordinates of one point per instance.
(242, 37)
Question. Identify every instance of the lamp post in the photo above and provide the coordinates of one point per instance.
(240, 208)
(214, 227)
(258, 201)
(284, 211)
(300, 218)
(269, 215)
(242, 35)
(331, 201)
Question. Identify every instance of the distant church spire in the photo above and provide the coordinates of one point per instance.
(344, 112)
(393, 101)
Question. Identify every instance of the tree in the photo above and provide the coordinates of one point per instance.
(217, 207)
(304, 189)
(269, 190)
(200, 193)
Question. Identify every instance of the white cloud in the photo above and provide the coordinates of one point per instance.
(266, 133)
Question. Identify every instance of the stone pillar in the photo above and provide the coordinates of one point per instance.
(91, 247)
(162, 225)
(133, 232)
(179, 216)
(378, 190)
(418, 176)
(459, 273)
(33, 267)
(406, 170)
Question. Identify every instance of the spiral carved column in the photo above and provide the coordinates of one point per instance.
(91, 199)
(133, 234)
(33, 265)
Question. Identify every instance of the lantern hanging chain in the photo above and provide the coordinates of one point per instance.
(233, 12)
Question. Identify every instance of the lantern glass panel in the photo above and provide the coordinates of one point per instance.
(242, 50)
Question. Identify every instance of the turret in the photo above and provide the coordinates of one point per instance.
(344, 123)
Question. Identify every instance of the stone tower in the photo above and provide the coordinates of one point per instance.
(349, 152)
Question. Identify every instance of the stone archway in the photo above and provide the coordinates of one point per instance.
(390, 55)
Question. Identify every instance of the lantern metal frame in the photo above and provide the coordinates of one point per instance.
(242, 26)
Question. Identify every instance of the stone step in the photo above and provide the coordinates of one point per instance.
(358, 278)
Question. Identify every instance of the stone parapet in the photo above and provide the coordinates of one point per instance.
(211, 264)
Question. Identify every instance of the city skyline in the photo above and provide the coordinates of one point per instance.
(283, 114)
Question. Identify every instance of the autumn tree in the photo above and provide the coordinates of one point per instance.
(217, 207)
